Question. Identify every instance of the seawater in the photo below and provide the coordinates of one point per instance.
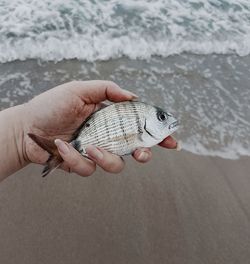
(192, 57)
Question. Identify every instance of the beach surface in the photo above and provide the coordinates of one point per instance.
(179, 208)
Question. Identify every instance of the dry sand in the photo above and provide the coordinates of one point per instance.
(179, 208)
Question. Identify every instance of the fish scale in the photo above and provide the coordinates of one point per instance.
(116, 128)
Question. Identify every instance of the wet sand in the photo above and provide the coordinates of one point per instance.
(179, 208)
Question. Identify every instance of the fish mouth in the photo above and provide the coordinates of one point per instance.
(174, 124)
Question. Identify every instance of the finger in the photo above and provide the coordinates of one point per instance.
(74, 160)
(169, 142)
(98, 91)
(142, 155)
(109, 162)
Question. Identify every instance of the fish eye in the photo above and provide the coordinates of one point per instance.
(162, 116)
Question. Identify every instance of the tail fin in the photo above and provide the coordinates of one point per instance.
(54, 160)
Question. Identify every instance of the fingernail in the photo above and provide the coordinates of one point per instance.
(134, 96)
(62, 146)
(143, 156)
(178, 145)
(94, 152)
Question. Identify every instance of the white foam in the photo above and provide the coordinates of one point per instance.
(234, 151)
(14, 86)
(96, 30)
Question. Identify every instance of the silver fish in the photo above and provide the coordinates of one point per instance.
(119, 128)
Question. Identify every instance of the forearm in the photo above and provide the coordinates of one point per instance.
(11, 140)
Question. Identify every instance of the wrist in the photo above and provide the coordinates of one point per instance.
(20, 126)
(13, 126)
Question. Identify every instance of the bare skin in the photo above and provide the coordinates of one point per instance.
(56, 114)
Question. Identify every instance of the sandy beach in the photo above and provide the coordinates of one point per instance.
(179, 208)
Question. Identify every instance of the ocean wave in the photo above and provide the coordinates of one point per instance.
(103, 48)
(102, 30)
(234, 151)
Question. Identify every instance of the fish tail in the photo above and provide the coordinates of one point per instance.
(54, 159)
(52, 163)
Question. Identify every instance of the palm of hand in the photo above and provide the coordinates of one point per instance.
(59, 118)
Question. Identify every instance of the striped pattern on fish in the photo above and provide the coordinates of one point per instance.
(118, 128)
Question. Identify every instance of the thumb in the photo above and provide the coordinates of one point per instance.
(93, 92)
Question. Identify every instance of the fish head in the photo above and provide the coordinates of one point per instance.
(159, 124)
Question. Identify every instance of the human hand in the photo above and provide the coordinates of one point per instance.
(58, 112)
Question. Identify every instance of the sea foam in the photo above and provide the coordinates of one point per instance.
(102, 30)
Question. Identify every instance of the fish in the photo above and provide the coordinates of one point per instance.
(119, 128)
